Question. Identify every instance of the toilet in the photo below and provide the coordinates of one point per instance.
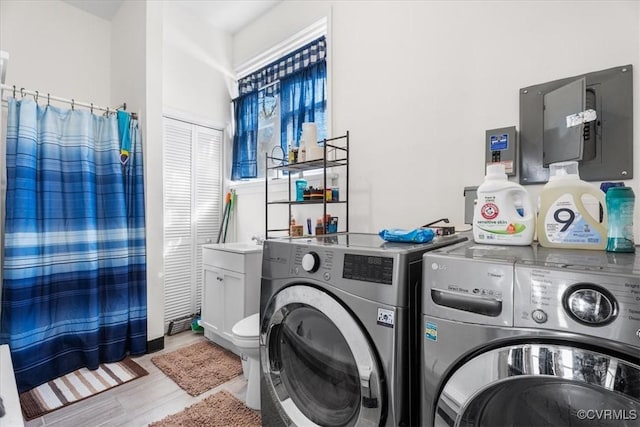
(245, 338)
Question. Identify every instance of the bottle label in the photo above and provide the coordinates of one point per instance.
(489, 211)
(564, 223)
(494, 226)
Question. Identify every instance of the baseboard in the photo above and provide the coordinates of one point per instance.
(155, 345)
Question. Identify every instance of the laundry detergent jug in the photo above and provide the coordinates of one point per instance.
(563, 220)
(503, 214)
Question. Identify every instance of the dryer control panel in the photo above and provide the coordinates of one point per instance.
(593, 303)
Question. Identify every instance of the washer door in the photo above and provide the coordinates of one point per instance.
(319, 366)
(541, 385)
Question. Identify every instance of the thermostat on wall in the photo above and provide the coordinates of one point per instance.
(501, 148)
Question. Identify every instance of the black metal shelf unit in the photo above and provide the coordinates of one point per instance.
(338, 148)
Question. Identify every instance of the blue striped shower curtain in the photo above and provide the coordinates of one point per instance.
(74, 282)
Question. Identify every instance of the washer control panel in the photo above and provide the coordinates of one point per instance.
(310, 262)
(315, 261)
(369, 268)
(362, 267)
(593, 303)
(373, 274)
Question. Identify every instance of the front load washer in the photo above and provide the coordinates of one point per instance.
(530, 336)
(337, 314)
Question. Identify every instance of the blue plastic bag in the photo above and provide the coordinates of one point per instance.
(419, 235)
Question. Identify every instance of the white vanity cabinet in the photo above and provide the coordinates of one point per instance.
(231, 288)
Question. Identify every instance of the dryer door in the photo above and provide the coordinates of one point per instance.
(541, 384)
(319, 365)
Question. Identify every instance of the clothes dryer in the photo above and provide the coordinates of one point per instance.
(530, 336)
(337, 316)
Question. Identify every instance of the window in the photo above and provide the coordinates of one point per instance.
(274, 102)
(268, 129)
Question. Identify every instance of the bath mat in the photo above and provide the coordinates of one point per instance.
(76, 386)
(199, 367)
(220, 409)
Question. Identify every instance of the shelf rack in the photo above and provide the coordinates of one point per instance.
(341, 153)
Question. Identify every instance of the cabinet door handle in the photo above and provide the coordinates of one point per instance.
(219, 279)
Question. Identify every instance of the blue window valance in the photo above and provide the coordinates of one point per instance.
(309, 54)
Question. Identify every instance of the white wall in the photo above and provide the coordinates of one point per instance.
(152, 135)
(418, 83)
(57, 48)
(136, 56)
(197, 72)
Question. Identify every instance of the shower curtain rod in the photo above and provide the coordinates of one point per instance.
(37, 95)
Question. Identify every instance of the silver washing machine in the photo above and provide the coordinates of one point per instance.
(337, 314)
(529, 336)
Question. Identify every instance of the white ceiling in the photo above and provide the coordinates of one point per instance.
(225, 15)
(104, 9)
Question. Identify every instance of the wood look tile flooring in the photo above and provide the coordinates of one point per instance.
(139, 402)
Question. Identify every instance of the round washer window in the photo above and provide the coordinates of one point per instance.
(539, 401)
(318, 368)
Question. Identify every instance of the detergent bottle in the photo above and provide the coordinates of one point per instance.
(503, 214)
(563, 220)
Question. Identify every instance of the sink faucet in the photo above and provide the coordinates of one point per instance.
(259, 240)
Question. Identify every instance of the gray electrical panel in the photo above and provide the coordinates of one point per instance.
(501, 145)
(561, 142)
(549, 131)
(470, 197)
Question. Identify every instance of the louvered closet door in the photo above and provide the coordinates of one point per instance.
(192, 210)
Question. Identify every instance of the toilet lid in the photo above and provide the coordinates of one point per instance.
(249, 327)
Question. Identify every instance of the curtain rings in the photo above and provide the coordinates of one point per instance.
(22, 92)
(14, 91)
(48, 99)
(36, 96)
(92, 108)
(73, 104)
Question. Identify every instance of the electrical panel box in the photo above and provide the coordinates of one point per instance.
(586, 118)
(470, 198)
(501, 147)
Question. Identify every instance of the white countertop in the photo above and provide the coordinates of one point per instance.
(237, 247)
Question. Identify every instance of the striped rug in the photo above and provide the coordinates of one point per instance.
(76, 386)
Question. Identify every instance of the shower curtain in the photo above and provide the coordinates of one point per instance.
(74, 282)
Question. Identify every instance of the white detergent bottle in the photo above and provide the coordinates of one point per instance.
(563, 220)
(503, 214)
